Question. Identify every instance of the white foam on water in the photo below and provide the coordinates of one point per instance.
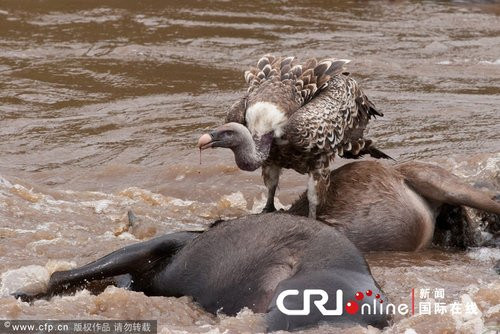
(18, 230)
(484, 254)
(492, 164)
(180, 202)
(46, 208)
(465, 61)
(489, 62)
(99, 206)
(469, 319)
(236, 200)
(127, 236)
(108, 235)
(59, 265)
(372, 330)
(49, 226)
(493, 310)
(135, 194)
(49, 200)
(44, 242)
(32, 278)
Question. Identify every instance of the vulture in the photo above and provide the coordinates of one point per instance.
(296, 116)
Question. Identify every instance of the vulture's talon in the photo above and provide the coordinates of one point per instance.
(268, 209)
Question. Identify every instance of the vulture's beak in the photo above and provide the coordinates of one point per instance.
(206, 141)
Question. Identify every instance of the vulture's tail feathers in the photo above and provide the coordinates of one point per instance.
(378, 154)
(356, 149)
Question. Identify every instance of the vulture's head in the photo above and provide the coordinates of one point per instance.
(229, 135)
(249, 152)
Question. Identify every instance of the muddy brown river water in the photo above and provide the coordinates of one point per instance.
(101, 105)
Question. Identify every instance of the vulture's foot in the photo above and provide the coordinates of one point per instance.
(269, 208)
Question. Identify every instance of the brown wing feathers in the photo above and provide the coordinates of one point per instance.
(317, 126)
(308, 78)
(354, 145)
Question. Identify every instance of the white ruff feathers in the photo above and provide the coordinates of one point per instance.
(264, 117)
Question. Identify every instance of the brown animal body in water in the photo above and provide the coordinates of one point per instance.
(246, 262)
(250, 261)
(379, 206)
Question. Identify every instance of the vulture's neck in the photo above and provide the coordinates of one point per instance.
(253, 151)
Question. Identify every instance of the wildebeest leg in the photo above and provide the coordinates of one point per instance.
(134, 260)
(436, 183)
(319, 180)
(329, 281)
(271, 176)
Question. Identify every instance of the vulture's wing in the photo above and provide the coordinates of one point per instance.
(282, 81)
(308, 78)
(334, 120)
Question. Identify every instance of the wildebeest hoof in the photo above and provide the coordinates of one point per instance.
(26, 297)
